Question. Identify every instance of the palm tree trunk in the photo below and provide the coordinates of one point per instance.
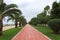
(1, 26)
(15, 24)
(19, 24)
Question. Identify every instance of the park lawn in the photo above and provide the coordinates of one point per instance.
(9, 34)
(48, 32)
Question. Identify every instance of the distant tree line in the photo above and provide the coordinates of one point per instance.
(42, 18)
(49, 16)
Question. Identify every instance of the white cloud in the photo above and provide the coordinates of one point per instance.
(30, 8)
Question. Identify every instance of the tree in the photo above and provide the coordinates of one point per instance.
(46, 9)
(54, 24)
(33, 21)
(22, 21)
(55, 11)
(18, 18)
(7, 10)
(43, 18)
(15, 17)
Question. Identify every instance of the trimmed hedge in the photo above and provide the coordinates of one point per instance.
(54, 24)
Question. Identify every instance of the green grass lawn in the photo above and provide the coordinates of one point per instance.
(47, 31)
(9, 34)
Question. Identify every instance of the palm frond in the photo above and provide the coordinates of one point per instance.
(10, 6)
(12, 11)
(10, 15)
(10, 19)
(13, 17)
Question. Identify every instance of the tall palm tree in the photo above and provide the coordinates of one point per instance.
(7, 10)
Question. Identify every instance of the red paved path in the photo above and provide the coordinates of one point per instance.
(29, 33)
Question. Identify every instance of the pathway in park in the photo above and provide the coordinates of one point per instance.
(30, 33)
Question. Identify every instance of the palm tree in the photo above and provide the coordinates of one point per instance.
(15, 18)
(22, 21)
(7, 10)
(18, 18)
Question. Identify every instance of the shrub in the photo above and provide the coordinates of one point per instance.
(54, 24)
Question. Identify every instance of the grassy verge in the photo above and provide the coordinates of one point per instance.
(48, 32)
(9, 34)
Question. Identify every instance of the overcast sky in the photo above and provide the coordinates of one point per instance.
(30, 8)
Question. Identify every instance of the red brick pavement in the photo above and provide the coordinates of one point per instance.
(30, 33)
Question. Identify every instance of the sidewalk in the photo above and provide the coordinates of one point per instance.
(30, 33)
(8, 27)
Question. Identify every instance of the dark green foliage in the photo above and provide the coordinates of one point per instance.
(22, 21)
(55, 11)
(47, 8)
(33, 21)
(54, 24)
(43, 19)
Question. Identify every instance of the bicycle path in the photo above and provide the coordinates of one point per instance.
(30, 33)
